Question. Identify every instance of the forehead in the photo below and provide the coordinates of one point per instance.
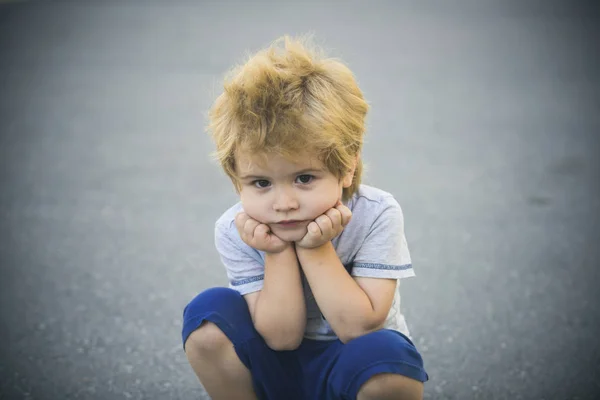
(263, 163)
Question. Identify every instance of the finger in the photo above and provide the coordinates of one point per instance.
(336, 218)
(345, 213)
(261, 231)
(240, 218)
(325, 224)
(314, 229)
(250, 226)
(240, 222)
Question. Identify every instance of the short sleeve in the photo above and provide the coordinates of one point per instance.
(244, 265)
(384, 252)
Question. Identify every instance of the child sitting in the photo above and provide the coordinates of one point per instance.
(313, 257)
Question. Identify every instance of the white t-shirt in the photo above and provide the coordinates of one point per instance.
(371, 245)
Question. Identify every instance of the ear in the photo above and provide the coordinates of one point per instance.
(349, 177)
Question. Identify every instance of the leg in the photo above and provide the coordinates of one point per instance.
(381, 365)
(215, 362)
(229, 356)
(391, 387)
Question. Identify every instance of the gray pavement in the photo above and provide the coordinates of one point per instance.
(484, 124)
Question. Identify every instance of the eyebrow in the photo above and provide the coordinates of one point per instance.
(301, 172)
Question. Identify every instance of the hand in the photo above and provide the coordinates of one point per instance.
(325, 227)
(258, 235)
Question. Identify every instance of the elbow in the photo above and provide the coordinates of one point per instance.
(279, 339)
(352, 332)
(282, 337)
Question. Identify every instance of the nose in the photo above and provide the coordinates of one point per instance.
(285, 201)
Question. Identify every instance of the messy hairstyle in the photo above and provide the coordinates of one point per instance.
(288, 99)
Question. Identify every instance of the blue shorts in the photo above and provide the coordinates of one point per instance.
(317, 369)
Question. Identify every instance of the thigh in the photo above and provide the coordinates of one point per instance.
(383, 351)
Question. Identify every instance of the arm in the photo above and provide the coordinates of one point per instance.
(353, 307)
(278, 310)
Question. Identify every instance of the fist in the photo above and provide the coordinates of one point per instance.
(258, 235)
(325, 227)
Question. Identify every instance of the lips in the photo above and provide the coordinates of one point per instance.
(289, 223)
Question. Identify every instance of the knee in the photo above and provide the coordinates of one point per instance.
(207, 340)
(212, 299)
(391, 387)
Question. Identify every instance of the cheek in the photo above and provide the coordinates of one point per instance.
(253, 207)
(324, 202)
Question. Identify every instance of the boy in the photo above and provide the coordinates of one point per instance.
(313, 257)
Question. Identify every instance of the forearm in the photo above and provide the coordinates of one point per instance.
(343, 303)
(280, 311)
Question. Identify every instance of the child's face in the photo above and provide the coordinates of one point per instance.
(287, 195)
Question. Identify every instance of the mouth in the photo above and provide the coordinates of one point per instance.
(290, 223)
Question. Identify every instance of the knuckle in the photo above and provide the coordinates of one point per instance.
(241, 217)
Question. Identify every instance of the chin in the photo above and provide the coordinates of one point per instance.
(290, 236)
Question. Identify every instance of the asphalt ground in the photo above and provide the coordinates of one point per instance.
(484, 124)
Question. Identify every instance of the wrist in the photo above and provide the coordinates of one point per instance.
(311, 252)
(280, 260)
(312, 246)
(279, 249)
(289, 248)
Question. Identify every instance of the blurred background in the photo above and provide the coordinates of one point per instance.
(484, 124)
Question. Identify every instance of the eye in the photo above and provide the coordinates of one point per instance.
(261, 183)
(304, 178)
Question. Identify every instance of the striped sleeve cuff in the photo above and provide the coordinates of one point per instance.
(383, 270)
(247, 285)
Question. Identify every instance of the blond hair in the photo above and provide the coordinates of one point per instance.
(287, 99)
